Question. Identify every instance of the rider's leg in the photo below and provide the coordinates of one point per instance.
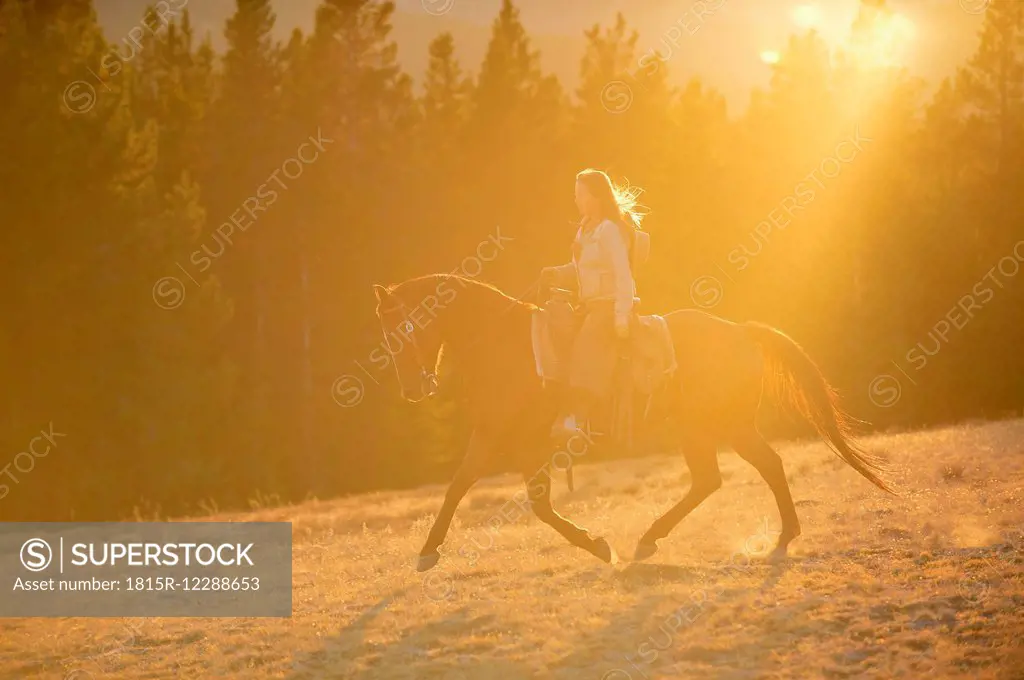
(580, 402)
(591, 367)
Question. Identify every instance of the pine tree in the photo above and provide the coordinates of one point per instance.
(445, 97)
(519, 118)
(441, 154)
(512, 96)
(243, 138)
(609, 86)
(182, 378)
(248, 95)
(172, 83)
(344, 217)
(510, 76)
(244, 143)
(993, 81)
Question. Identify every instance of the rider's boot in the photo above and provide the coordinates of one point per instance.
(574, 420)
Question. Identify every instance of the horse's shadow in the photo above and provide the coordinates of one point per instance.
(635, 641)
(423, 652)
(420, 652)
(644, 640)
(749, 655)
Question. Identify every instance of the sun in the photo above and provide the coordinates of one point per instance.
(770, 57)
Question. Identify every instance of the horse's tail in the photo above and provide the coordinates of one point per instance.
(795, 379)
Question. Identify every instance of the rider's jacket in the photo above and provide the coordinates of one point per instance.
(601, 267)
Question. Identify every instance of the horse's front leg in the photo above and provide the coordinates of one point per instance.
(538, 488)
(477, 455)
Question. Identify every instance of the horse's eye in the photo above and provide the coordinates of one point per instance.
(408, 327)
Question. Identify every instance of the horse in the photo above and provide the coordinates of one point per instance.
(714, 395)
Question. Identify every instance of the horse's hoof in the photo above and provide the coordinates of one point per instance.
(605, 552)
(644, 550)
(428, 561)
(778, 556)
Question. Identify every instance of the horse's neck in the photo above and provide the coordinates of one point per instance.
(445, 302)
(463, 319)
(475, 321)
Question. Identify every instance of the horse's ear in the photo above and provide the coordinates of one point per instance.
(380, 291)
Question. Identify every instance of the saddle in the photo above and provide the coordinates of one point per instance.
(650, 360)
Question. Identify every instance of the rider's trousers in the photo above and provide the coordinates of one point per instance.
(595, 351)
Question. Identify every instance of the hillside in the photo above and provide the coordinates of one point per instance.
(927, 584)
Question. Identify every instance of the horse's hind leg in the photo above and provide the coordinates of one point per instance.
(705, 480)
(752, 447)
(465, 477)
(538, 488)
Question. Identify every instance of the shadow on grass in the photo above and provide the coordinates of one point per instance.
(444, 647)
(641, 640)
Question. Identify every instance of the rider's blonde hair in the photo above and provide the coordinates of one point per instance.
(618, 203)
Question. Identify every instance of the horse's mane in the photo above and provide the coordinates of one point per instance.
(484, 313)
(466, 283)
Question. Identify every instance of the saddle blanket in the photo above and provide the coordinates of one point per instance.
(651, 350)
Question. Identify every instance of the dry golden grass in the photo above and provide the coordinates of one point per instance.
(924, 585)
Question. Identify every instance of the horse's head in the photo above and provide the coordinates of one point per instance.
(413, 346)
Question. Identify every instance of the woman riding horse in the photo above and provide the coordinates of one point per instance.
(600, 271)
(723, 370)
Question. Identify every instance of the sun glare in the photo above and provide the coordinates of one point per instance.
(886, 42)
(903, 26)
(882, 38)
(807, 16)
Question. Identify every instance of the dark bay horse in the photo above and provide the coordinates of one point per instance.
(716, 392)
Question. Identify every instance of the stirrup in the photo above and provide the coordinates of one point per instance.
(565, 427)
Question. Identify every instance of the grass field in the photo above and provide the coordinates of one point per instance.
(926, 584)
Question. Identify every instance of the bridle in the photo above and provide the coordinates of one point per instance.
(427, 378)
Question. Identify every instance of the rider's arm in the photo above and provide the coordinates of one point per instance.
(614, 245)
(564, 275)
